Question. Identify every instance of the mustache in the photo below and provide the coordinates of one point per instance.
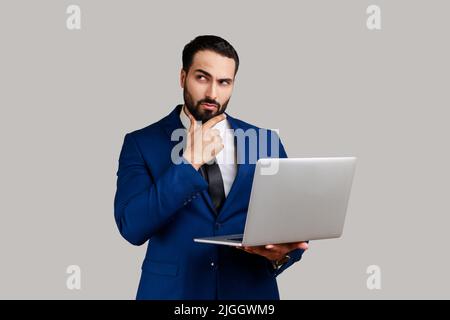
(209, 101)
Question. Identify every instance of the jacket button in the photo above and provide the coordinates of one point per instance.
(214, 266)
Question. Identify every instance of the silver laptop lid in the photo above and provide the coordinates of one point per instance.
(298, 199)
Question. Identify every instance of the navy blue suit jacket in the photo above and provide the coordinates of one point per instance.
(169, 205)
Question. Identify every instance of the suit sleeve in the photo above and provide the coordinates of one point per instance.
(296, 254)
(142, 205)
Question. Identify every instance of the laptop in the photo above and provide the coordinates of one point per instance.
(295, 199)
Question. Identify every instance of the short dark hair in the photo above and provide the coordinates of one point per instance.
(209, 42)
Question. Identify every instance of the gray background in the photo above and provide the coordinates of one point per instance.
(310, 68)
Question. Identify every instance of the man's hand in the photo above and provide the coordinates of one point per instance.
(203, 143)
(275, 251)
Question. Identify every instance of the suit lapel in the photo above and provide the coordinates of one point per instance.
(172, 122)
(242, 169)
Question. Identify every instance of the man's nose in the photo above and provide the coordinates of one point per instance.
(211, 93)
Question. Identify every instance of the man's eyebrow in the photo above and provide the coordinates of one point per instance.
(209, 75)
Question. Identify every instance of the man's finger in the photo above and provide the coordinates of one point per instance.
(213, 121)
(217, 140)
(295, 245)
(217, 149)
(211, 134)
(274, 248)
(248, 249)
(214, 132)
(303, 245)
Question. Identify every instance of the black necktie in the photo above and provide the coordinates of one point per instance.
(212, 175)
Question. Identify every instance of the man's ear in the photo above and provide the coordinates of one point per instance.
(182, 77)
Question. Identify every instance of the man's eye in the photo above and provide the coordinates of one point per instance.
(201, 77)
(224, 83)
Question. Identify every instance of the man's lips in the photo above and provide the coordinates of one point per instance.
(209, 106)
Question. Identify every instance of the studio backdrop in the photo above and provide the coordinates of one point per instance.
(362, 78)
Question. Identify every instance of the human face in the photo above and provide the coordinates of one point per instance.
(208, 84)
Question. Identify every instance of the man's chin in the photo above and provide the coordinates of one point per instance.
(207, 116)
(203, 115)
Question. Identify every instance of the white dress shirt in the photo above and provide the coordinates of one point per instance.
(226, 158)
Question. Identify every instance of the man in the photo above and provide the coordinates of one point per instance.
(171, 202)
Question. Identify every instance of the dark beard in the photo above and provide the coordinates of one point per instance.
(196, 109)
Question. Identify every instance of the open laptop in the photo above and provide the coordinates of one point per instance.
(295, 199)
